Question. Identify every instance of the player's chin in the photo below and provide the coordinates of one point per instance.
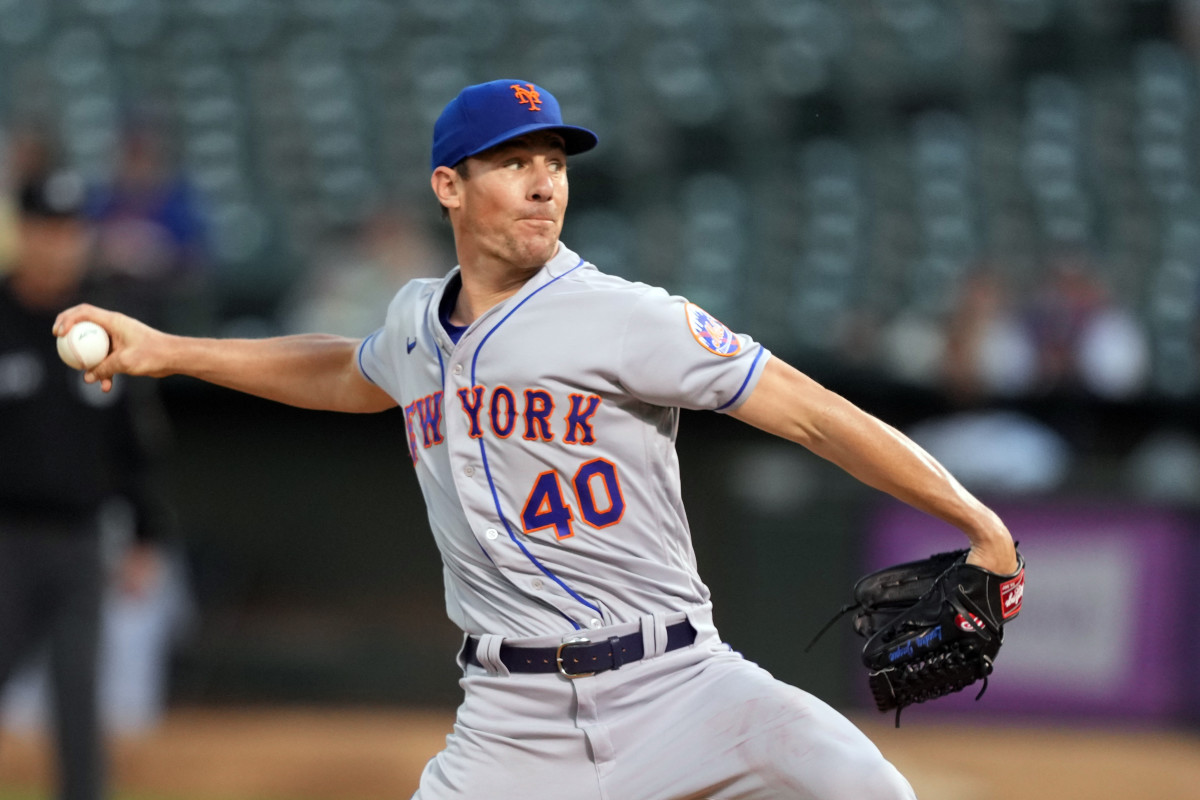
(540, 248)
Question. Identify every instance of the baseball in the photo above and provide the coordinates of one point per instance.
(84, 346)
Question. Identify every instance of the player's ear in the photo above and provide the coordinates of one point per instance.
(446, 185)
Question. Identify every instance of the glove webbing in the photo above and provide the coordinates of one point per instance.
(944, 672)
(916, 683)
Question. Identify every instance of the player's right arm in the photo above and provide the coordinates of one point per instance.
(315, 371)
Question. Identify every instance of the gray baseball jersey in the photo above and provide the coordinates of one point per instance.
(544, 443)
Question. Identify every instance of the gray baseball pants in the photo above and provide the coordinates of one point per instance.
(699, 722)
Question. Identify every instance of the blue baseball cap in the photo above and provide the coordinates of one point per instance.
(486, 114)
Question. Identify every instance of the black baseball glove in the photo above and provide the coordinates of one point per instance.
(933, 627)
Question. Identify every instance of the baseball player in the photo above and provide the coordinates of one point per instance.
(540, 399)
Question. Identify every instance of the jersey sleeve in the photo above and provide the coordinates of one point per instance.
(674, 353)
(373, 360)
(378, 353)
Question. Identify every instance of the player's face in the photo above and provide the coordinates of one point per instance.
(511, 207)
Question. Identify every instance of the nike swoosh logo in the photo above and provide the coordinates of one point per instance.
(410, 344)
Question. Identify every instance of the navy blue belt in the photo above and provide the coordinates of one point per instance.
(580, 657)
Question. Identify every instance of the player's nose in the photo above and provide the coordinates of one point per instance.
(541, 181)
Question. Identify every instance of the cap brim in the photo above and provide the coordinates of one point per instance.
(576, 139)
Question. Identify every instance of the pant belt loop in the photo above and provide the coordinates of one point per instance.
(614, 643)
(654, 634)
(646, 623)
(488, 653)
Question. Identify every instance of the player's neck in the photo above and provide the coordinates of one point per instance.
(485, 284)
(474, 300)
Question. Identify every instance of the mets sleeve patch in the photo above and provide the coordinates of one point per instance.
(710, 333)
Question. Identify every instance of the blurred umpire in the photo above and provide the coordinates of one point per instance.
(67, 451)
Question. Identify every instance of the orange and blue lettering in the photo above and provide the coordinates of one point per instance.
(503, 411)
(539, 405)
(579, 419)
(409, 410)
(585, 481)
(546, 508)
(429, 414)
(472, 403)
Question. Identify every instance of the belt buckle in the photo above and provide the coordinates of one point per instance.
(558, 657)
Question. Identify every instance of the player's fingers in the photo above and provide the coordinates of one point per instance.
(122, 359)
(75, 314)
(97, 374)
(106, 384)
(60, 321)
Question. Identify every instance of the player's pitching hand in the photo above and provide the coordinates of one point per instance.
(136, 348)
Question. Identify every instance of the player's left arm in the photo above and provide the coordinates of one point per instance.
(788, 403)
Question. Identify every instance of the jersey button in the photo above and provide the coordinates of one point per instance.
(491, 533)
(536, 583)
(596, 623)
(468, 470)
(457, 369)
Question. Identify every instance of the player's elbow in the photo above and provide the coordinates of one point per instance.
(364, 397)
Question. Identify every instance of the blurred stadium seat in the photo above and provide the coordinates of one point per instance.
(935, 135)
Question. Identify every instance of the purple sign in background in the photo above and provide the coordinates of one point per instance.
(1106, 597)
(1189, 634)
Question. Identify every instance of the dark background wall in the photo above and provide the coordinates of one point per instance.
(318, 581)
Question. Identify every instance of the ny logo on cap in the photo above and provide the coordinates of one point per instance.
(527, 95)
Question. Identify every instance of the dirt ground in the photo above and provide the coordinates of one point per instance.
(247, 754)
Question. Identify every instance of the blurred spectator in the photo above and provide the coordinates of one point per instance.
(350, 285)
(28, 152)
(25, 153)
(1084, 340)
(8, 230)
(151, 235)
(989, 352)
(1114, 355)
(1068, 335)
(69, 450)
(913, 347)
